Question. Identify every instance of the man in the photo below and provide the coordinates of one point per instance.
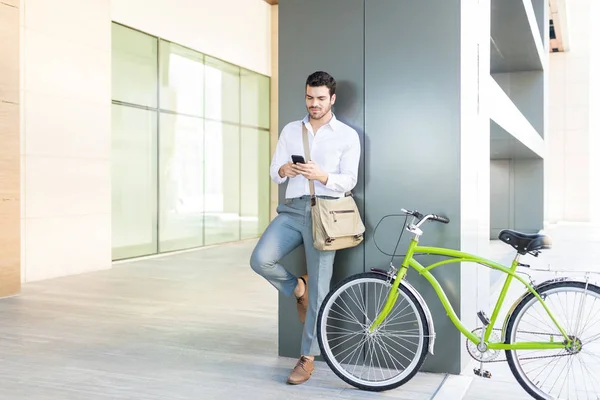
(335, 154)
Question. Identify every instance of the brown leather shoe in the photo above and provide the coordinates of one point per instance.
(302, 301)
(302, 371)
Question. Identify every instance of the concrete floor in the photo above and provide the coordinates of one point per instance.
(196, 325)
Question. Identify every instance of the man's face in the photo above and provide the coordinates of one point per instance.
(318, 101)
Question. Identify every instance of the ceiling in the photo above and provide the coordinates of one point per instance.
(503, 145)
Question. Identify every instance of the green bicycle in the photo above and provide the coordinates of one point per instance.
(374, 328)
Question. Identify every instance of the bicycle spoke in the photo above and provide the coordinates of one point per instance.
(568, 365)
(592, 375)
(543, 314)
(353, 316)
(353, 320)
(361, 308)
(591, 339)
(386, 348)
(392, 317)
(344, 342)
(596, 314)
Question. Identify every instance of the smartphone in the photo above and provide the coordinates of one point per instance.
(298, 159)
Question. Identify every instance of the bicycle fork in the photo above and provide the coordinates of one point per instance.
(393, 292)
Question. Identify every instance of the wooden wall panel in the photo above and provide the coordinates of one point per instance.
(10, 181)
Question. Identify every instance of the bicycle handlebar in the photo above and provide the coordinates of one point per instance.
(429, 217)
(441, 219)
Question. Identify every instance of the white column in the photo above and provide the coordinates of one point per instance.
(594, 117)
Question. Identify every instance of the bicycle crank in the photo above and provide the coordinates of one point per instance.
(486, 355)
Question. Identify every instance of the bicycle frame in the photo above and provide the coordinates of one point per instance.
(458, 256)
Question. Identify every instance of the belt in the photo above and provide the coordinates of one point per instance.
(307, 197)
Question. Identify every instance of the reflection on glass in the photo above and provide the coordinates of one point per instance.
(133, 182)
(255, 187)
(134, 66)
(181, 182)
(181, 79)
(256, 99)
(222, 188)
(222, 101)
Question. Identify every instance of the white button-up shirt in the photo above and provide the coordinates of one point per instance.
(335, 148)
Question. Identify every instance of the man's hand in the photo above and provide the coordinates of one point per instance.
(311, 170)
(287, 170)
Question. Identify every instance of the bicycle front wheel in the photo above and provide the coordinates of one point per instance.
(567, 373)
(380, 360)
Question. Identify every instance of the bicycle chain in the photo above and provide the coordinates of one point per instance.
(524, 358)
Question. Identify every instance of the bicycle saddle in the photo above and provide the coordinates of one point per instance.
(525, 242)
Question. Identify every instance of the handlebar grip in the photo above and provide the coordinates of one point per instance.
(441, 219)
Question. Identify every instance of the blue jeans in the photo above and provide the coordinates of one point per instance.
(291, 228)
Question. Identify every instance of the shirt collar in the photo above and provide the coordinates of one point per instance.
(333, 122)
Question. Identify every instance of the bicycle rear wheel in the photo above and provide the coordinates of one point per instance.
(569, 373)
(384, 359)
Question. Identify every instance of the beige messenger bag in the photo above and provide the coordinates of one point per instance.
(336, 223)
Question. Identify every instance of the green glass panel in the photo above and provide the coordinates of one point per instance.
(181, 182)
(134, 192)
(222, 182)
(222, 96)
(134, 66)
(255, 182)
(256, 99)
(181, 79)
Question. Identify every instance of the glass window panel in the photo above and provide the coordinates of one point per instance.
(181, 79)
(256, 99)
(134, 192)
(222, 98)
(134, 66)
(222, 188)
(255, 182)
(181, 182)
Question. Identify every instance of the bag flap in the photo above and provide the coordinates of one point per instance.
(339, 217)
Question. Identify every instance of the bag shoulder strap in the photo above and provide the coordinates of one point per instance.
(311, 183)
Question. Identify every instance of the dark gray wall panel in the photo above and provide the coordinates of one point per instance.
(412, 150)
(539, 7)
(320, 35)
(529, 195)
(501, 197)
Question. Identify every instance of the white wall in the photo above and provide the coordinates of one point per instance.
(237, 31)
(65, 137)
(568, 142)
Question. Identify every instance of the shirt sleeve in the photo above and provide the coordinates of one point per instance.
(345, 180)
(280, 157)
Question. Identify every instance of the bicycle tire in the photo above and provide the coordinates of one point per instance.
(328, 357)
(524, 381)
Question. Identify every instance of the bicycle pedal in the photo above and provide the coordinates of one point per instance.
(483, 373)
(483, 318)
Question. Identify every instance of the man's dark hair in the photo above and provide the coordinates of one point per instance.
(321, 78)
